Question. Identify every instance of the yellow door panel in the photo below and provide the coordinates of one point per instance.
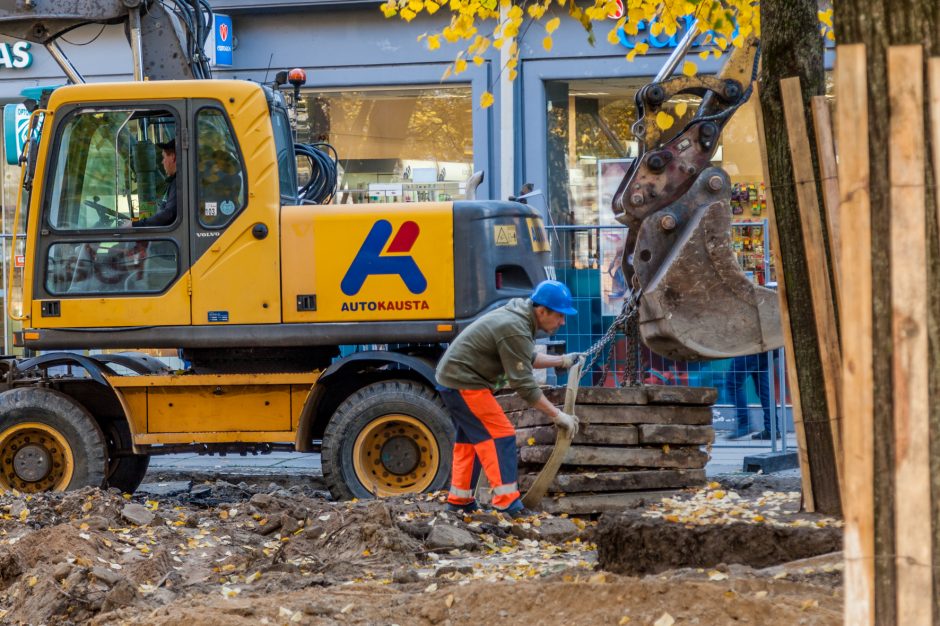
(236, 280)
(373, 262)
(168, 309)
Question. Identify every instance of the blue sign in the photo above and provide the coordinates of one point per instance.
(667, 41)
(221, 41)
(15, 127)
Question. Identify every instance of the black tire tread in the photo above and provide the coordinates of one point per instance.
(89, 450)
(389, 391)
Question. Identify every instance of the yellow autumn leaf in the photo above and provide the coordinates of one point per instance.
(366, 553)
(689, 68)
(623, 620)
(547, 43)
(478, 60)
(512, 75)
(536, 11)
(434, 42)
(431, 7)
(703, 55)
(530, 441)
(664, 121)
(613, 37)
(486, 100)
(681, 108)
(460, 65)
(552, 25)
(665, 445)
(407, 14)
(32, 581)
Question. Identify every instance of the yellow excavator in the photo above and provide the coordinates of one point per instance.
(258, 287)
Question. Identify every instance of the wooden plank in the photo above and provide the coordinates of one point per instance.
(829, 180)
(622, 481)
(909, 334)
(674, 434)
(613, 414)
(933, 82)
(851, 86)
(593, 434)
(648, 394)
(830, 354)
(806, 478)
(674, 394)
(690, 458)
(602, 503)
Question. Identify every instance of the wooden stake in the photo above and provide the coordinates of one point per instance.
(816, 261)
(855, 315)
(806, 478)
(909, 335)
(830, 183)
(933, 79)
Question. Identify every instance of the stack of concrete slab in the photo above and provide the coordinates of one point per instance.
(634, 442)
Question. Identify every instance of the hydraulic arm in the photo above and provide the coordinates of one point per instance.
(695, 303)
(166, 43)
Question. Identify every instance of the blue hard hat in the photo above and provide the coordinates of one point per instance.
(555, 296)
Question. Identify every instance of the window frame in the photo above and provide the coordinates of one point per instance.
(200, 107)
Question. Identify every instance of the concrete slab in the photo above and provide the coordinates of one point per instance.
(771, 462)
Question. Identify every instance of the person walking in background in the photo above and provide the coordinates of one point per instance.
(754, 367)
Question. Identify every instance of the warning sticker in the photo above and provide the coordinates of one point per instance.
(505, 235)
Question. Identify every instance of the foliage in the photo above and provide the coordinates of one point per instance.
(477, 25)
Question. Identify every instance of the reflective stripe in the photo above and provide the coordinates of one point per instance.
(505, 489)
(461, 493)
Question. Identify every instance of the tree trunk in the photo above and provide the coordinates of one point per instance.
(879, 24)
(791, 46)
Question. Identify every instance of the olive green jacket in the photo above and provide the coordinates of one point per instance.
(500, 342)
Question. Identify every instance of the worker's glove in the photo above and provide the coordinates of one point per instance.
(567, 423)
(567, 360)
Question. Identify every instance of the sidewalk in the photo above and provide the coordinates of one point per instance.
(726, 457)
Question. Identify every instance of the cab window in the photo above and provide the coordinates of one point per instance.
(107, 168)
(85, 267)
(286, 161)
(220, 184)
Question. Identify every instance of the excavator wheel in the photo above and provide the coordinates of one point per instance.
(125, 470)
(48, 442)
(389, 438)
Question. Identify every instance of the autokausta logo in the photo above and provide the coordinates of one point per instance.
(223, 32)
(375, 258)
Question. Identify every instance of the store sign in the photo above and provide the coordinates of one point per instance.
(15, 129)
(663, 41)
(220, 44)
(617, 13)
(16, 56)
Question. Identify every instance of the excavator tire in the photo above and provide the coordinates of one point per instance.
(48, 442)
(388, 438)
(125, 470)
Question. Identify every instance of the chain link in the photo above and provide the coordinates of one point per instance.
(628, 317)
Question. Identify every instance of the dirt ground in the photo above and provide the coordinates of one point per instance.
(267, 553)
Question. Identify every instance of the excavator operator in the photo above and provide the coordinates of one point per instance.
(502, 342)
(166, 213)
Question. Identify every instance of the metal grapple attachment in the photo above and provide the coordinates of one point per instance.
(696, 302)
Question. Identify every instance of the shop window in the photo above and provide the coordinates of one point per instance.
(394, 145)
(220, 173)
(106, 170)
(86, 267)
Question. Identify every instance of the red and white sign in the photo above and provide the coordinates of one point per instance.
(223, 29)
(617, 13)
(19, 260)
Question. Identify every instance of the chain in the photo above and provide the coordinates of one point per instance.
(621, 324)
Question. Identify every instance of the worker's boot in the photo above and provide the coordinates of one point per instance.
(517, 510)
(462, 508)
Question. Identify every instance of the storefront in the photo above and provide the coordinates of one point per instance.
(374, 92)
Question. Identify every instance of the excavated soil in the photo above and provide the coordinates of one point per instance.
(220, 553)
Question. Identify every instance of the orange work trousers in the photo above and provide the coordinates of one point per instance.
(485, 438)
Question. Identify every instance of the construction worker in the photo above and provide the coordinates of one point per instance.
(502, 342)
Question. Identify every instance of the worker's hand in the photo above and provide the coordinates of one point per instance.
(568, 423)
(567, 360)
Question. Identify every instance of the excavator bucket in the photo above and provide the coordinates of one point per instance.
(696, 302)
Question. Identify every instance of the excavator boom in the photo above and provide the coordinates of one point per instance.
(695, 303)
(167, 43)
